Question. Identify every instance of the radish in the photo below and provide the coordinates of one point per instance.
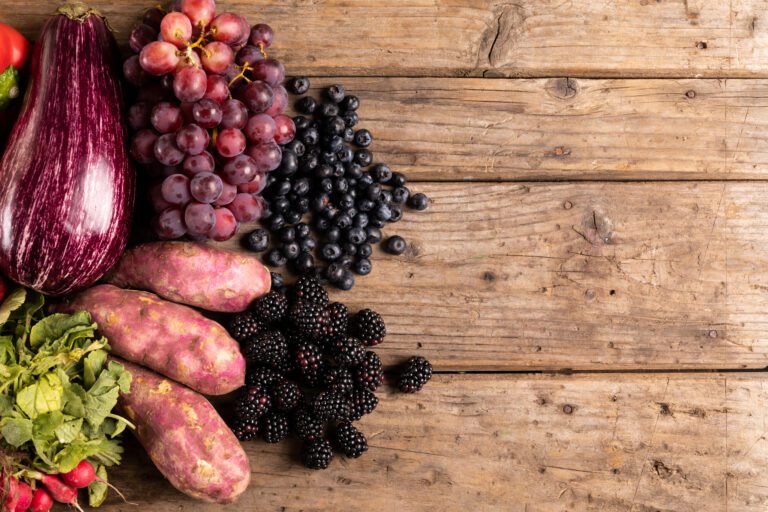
(81, 476)
(10, 492)
(24, 497)
(60, 491)
(41, 501)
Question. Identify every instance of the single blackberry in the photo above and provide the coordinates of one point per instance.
(348, 352)
(363, 402)
(339, 379)
(274, 427)
(271, 308)
(286, 395)
(370, 373)
(350, 440)
(331, 405)
(286, 367)
(245, 429)
(266, 348)
(253, 403)
(246, 325)
(417, 372)
(261, 376)
(317, 454)
(309, 363)
(307, 426)
(309, 289)
(310, 319)
(368, 326)
(338, 317)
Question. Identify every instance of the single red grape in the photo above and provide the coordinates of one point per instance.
(188, 58)
(141, 36)
(175, 189)
(285, 129)
(226, 225)
(260, 128)
(192, 139)
(194, 164)
(152, 93)
(169, 225)
(176, 29)
(153, 17)
(199, 218)
(217, 57)
(257, 96)
(280, 101)
(240, 169)
(262, 34)
(166, 117)
(139, 116)
(227, 28)
(228, 193)
(230, 142)
(206, 187)
(270, 71)
(248, 55)
(218, 89)
(143, 146)
(166, 151)
(200, 12)
(267, 156)
(246, 207)
(134, 73)
(255, 186)
(158, 58)
(207, 113)
(234, 114)
(190, 84)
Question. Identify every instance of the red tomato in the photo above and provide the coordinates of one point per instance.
(14, 48)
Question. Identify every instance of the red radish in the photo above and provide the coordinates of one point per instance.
(81, 476)
(41, 501)
(60, 491)
(10, 491)
(25, 497)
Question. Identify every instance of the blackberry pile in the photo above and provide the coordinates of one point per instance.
(311, 371)
(327, 203)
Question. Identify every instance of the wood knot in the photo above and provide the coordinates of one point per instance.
(713, 333)
(567, 205)
(690, 94)
(489, 276)
(664, 409)
(568, 409)
(562, 88)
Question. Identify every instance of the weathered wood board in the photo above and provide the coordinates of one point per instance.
(581, 276)
(693, 442)
(678, 38)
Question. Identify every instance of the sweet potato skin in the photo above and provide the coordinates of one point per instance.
(185, 437)
(194, 274)
(173, 340)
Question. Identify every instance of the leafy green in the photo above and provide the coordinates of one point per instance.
(58, 390)
(9, 86)
(97, 491)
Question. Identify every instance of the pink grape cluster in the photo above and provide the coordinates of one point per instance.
(208, 120)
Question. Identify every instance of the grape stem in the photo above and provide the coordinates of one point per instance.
(246, 67)
(201, 39)
(261, 49)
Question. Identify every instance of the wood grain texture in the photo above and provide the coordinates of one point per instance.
(692, 38)
(581, 276)
(691, 442)
(566, 129)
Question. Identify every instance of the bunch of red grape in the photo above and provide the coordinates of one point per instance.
(207, 121)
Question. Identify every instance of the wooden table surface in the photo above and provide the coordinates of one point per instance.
(591, 278)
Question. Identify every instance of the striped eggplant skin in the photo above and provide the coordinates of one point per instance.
(66, 185)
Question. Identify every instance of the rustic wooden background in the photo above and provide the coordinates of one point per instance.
(591, 279)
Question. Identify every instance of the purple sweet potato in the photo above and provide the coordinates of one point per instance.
(171, 339)
(185, 437)
(194, 274)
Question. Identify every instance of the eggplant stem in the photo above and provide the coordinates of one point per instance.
(77, 11)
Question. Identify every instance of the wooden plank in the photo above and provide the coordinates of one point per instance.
(640, 38)
(693, 442)
(582, 276)
(567, 129)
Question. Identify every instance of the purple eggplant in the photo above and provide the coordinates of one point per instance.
(66, 184)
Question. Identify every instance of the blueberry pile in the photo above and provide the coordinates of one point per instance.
(327, 203)
(311, 371)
